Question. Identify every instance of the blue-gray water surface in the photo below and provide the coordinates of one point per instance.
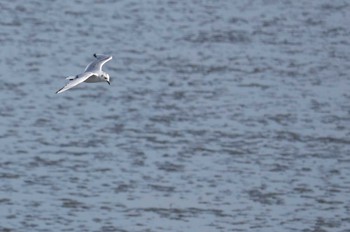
(221, 116)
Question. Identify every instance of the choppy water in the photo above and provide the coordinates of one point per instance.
(222, 116)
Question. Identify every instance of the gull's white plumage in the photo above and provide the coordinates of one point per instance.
(96, 65)
(93, 73)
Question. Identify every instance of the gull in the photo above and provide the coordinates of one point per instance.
(93, 73)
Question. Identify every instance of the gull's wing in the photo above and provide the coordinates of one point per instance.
(100, 56)
(96, 65)
(77, 80)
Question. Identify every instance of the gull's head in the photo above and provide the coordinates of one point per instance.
(107, 78)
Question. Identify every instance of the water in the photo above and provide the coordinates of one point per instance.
(221, 116)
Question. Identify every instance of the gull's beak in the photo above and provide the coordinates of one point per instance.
(109, 82)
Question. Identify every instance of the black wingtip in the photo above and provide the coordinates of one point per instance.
(58, 91)
(95, 55)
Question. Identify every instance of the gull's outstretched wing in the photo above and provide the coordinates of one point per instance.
(77, 80)
(96, 65)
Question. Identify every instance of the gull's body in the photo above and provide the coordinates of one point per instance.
(93, 73)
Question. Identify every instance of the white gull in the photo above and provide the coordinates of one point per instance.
(93, 73)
